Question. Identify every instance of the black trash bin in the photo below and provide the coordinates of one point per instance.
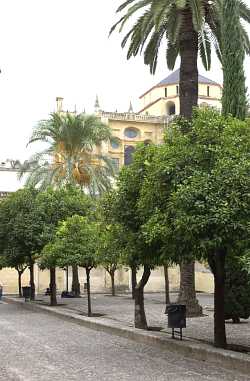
(176, 317)
(26, 293)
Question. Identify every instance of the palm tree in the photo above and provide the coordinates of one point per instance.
(73, 156)
(73, 153)
(189, 27)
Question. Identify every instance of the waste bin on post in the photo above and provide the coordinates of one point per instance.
(26, 293)
(176, 317)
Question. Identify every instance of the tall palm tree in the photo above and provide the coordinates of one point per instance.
(73, 153)
(188, 27)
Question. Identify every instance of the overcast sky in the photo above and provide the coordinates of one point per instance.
(51, 48)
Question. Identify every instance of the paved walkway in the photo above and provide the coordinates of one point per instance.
(121, 309)
(40, 347)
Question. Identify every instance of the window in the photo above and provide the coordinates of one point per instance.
(177, 89)
(208, 91)
(166, 92)
(115, 143)
(128, 154)
(131, 133)
(170, 108)
(204, 105)
(115, 162)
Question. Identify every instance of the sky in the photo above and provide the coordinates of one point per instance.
(51, 48)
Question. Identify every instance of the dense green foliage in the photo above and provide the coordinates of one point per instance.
(202, 163)
(55, 206)
(237, 290)
(234, 100)
(125, 208)
(21, 227)
(74, 244)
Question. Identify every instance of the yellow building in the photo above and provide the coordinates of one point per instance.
(158, 105)
(163, 98)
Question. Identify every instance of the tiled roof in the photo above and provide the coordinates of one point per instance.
(175, 78)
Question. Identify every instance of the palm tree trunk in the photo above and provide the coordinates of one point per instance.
(75, 281)
(188, 68)
(188, 99)
(167, 298)
(53, 300)
(140, 316)
(187, 293)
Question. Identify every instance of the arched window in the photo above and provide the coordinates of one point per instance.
(131, 132)
(170, 108)
(128, 154)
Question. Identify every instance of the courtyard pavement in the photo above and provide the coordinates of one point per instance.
(40, 347)
(121, 309)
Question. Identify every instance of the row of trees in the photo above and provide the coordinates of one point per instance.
(189, 28)
(184, 200)
(61, 228)
(189, 199)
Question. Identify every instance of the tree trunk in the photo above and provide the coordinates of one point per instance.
(188, 68)
(20, 283)
(32, 283)
(140, 316)
(218, 268)
(167, 298)
(75, 281)
(88, 290)
(53, 300)
(187, 293)
(133, 280)
(112, 276)
(188, 99)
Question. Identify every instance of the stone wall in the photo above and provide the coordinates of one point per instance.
(100, 280)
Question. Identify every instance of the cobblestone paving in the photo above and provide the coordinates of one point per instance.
(121, 308)
(40, 347)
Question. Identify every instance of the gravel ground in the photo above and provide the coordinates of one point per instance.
(121, 308)
(40, 347)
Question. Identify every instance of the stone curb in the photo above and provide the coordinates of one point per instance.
(198, 351)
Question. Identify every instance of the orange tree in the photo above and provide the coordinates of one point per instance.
(198, 196)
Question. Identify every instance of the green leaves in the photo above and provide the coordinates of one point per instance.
(195, 193)
(71, 156)
(75, 243)
(161, 21)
